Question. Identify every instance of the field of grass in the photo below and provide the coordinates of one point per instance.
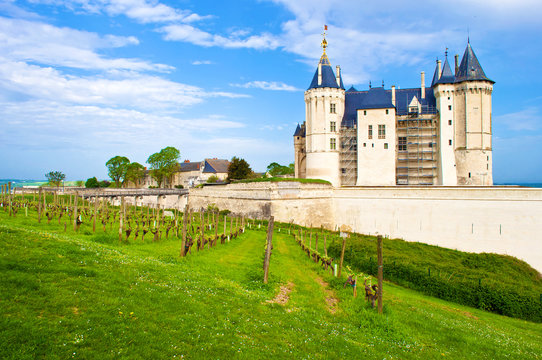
(84, 295)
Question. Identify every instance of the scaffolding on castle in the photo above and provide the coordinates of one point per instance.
(417, 158)
(349, 155)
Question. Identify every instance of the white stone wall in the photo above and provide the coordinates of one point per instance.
(498, 220)
(376, 163)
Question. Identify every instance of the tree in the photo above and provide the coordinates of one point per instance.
(212, 179)
(239, 169)
(55, 177)
(135, 172)
(163, 164)
(276, 169)
(116, 168)
(92, 183)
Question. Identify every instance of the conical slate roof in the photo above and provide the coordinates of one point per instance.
(470, 69)
(352, 88)
(298, 131)
(447, 77)
(328, 76)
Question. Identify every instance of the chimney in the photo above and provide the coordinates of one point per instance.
(319, 74)
(338, 75)
(439, 68)
(187, 161)
(456, 64)
(393, 95)
(423, 85)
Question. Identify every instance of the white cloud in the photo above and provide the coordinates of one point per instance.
(267, 85)
(191, 34)
(23, 40)
(202, 62)
(137, 90)
(143, 11)
(38, 124)
(528, 119)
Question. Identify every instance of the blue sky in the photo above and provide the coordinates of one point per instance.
(84, 80)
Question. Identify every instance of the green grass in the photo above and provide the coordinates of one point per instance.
(84, 295)
(277, 179)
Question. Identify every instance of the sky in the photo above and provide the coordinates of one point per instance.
(82, 81)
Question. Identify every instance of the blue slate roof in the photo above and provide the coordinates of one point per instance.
(352, 88)
(298, 131)
(447, 77)
(470, 68)
(328, 76)
(379, 98)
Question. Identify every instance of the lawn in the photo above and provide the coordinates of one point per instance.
(84, 295)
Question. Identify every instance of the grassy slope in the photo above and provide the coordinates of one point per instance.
(67, 295)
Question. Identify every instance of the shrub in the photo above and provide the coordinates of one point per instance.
(179, 187)
(92, 183)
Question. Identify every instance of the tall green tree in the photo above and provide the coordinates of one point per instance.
(163, 164)
(135, 173)
(116, 168)
(92, 183)
(55, 178)
(276, 169)
(239, 169)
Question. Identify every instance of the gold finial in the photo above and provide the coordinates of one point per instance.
(324, 41)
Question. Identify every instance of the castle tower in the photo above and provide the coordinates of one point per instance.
(472, 129)
(300, 152)
(443, 89)
(324, 109)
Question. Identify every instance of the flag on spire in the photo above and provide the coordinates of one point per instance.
(325, 27)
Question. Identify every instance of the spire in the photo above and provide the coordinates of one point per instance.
(298, 131)
(446, 77)
(470, 69)
(328, 78)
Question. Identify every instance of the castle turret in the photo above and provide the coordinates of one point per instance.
(324, 108)
(300, 152)
(443, 89)
(472, 111)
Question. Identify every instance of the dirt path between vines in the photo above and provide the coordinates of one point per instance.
(331, 300)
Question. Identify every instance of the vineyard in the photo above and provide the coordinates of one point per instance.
(84, 279)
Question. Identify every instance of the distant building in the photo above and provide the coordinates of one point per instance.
(192, 173)
(435, 135)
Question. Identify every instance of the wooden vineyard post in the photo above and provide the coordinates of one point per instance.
(342, 255)
(268, 249)
(325, 245)
(216, 219)
(202, 228)
(39, 205)
(95, 214)
(185, 225)
(380, 271)
(121, 217)
(9, 197)
(75, 214)
(225, 224)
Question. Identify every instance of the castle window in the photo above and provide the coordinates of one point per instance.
(332, 144)
(387, 111)
(449, 122)
(430, 144)
(449, 107)
(332, 126)
(402, 143)
(469, 175)
(385, 145)
(364, 144)
(449, 142)
(381, 131)
(364, 112)
(332, 109)
(370, 134)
